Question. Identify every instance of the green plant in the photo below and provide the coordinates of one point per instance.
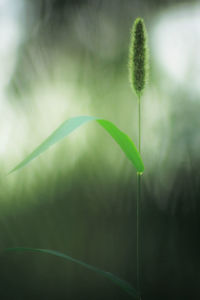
(138, 68)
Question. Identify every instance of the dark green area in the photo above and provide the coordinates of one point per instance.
(94, 220)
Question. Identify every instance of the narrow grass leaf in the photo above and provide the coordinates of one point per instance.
(123, 140)
(120, 282)
(125, 143)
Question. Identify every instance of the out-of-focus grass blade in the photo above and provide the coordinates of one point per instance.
(70, 125)
(121, 283)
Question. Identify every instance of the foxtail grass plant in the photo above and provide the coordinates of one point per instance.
(138, 72)
(138, 75)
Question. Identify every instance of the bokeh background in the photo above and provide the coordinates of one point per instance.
(60, 59)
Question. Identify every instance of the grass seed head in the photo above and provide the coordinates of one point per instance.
(138, 56)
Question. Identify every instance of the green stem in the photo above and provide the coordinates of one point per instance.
(139, 125)
(138, 201)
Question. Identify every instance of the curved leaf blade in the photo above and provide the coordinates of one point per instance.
(125, 143)
(122, 139)
(120, 282)
(62, 131)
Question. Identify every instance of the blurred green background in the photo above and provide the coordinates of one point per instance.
(60, 59)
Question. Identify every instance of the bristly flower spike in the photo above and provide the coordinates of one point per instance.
(138, 57)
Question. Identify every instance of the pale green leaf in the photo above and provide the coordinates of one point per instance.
(122, 139)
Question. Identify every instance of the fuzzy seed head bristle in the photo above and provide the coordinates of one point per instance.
(138, 56)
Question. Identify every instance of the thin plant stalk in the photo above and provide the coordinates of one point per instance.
(138, 202)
